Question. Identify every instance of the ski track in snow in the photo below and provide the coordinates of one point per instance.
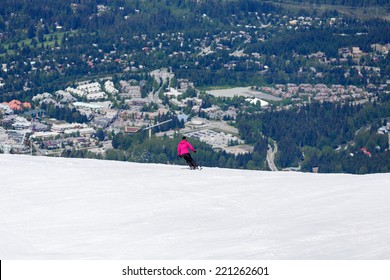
(55, 208)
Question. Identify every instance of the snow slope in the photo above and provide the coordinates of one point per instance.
(55, 208)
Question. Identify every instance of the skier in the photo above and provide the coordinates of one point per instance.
(183, 152)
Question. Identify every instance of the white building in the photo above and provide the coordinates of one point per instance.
(75, 91)
(90, 87)
(96, 95)
(92, 91)
(42, 96)
(21, 123)
(258, 101)
(110, 88)
(66, 126)
(5, 109)
(173, 93)
(45, 135)
(87, 131)
(88, 105)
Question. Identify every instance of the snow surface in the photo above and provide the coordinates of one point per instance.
(55, 208)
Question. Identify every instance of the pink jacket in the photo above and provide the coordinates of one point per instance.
(183, 147)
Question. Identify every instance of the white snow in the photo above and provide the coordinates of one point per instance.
(55, 208)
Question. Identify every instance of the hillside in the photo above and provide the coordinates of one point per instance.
(59, 58)
(360, 9)
(55, 208)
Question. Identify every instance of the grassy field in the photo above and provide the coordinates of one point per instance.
(50, 40)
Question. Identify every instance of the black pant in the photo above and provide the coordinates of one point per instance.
(190, 161)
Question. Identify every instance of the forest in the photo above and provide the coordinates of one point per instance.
(138, 148)
(350, 3)
(329, 136)
(47, 45)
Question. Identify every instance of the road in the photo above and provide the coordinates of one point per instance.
(271, 157)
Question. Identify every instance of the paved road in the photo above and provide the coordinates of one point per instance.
(271, 157)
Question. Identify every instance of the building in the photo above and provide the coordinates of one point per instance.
(257, 101)
(132, 129)
(110, 88)
(5, 109)
(173, 93)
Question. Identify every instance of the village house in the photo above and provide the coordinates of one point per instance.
(173, 93)
(129, 91)
(177, 103)
(82, 131)
(138, 102)
(38, 126)
(110, 88)
(131, 129)
(45, 135)
(230, 113)
(5, 109)
(101, 122)
(257, 101)
(42, 96)
(214, 112)
(61, 127)
(52, 144)
(184, 84)
(96, 95)
(65, 96)
(92, 91)
(21, 123)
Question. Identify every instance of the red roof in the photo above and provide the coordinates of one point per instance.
(131, 129)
